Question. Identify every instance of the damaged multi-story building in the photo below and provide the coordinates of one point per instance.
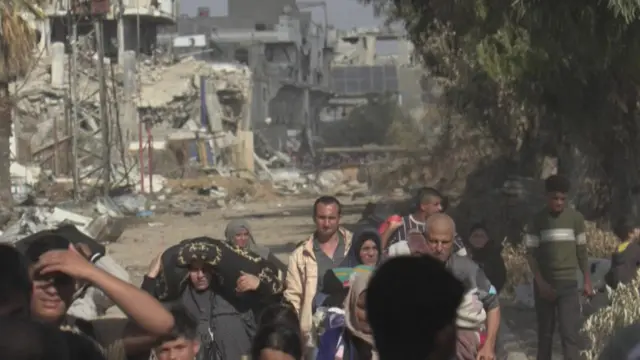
(275, 75)
(288, 53)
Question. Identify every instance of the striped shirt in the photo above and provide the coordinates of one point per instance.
(409, 223)
(558, 243)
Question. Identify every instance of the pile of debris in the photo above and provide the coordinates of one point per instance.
(172, 94)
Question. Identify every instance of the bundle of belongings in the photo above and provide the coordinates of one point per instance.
(228, 261)
(89, 302)
(219, 305)
(328, 317)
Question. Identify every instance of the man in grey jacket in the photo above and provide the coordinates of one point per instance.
(440, 237)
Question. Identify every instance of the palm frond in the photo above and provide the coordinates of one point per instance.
(17, 37)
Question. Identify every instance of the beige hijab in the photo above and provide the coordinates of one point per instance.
(358, 286)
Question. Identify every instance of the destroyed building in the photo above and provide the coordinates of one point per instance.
(288, 54)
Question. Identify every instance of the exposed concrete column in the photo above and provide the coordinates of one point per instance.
(127, 32)
(130, 111)
(120, 35)
(45, 40)
(370, 50)
(404, 51)
(57, 65)
(244, 151)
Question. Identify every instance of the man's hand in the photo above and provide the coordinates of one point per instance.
(487, 352)
(247, 282)
(395, 224)
(155, 267)
(588, 288)
(546, 291)
(69, 262)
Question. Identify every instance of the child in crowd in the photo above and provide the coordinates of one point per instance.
(183, 343)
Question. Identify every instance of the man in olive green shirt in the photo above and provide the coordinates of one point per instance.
(557, 245)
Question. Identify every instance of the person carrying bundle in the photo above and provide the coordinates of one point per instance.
(223, 286)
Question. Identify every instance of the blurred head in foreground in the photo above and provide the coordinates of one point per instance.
(411, 305)
(277, 342)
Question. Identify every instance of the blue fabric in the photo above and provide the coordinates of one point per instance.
(330, 340)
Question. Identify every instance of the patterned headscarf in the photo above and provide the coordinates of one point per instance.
(198, 251)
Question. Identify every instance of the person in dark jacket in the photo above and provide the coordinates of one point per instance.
(625, 261)
(487, 254)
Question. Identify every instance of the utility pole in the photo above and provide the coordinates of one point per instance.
(104, 121)
(73, 85)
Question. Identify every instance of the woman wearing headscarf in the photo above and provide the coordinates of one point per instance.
(238, 232)
(365, 248)
(226, 310)
(355, 340)
(487, 254)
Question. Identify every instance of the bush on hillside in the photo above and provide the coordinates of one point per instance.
(623, 311)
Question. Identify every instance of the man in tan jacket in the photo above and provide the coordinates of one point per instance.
(324, 250)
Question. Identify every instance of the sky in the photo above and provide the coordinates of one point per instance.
(343, 14)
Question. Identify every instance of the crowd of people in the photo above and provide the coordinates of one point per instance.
(413, 288)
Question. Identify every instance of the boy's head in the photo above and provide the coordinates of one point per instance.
(624, 229)
(557, 187)
(183, 343)
(413, 317)
(52, 293)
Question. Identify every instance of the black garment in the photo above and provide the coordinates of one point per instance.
(566, 307)
(355, 348)
(624, 264)
(491, 262)
(81, 339)
(149, 285)
(334, 289)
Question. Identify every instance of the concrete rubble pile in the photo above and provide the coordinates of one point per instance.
(103, 228)
(169, 97)
(292, 181)
(171, 94)
(168, 94)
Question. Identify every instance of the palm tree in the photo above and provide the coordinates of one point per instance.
(17, 43)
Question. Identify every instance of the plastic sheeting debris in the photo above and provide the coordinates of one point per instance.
(38, 219)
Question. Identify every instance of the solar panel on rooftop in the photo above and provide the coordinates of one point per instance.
(358, 80)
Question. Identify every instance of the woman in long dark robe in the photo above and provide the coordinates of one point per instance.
(225, 308)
